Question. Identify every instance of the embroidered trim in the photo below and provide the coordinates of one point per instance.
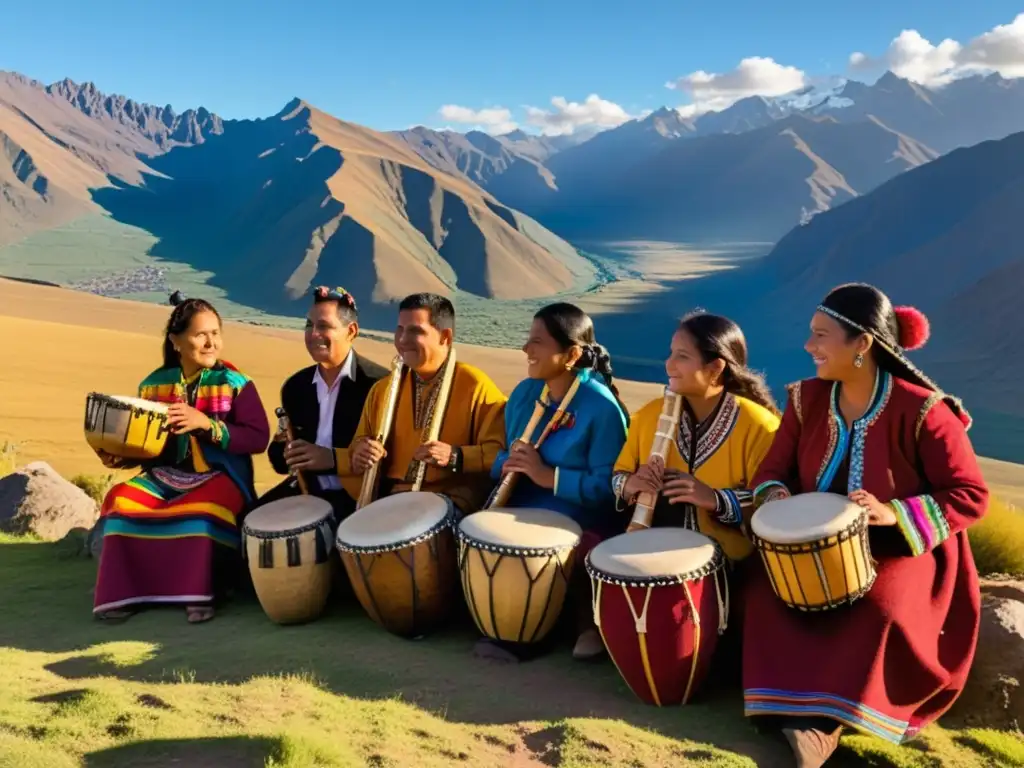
(843, 440)
(712, 437)
(921, 521)
(219, 434)
(771, 701)
(934, 398)
(860, 431)
(619, 485)
(769, 490)
(794, 390)
(731, 505)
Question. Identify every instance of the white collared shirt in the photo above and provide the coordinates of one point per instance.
(327, 396)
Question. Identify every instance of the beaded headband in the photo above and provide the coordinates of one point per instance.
(897, 351)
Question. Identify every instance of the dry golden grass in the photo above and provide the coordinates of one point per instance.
(998, 540)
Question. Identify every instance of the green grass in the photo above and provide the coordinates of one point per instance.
(95, 486)
(241, 691)
(997, 541)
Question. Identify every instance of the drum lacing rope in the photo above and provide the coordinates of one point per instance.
(723, 604)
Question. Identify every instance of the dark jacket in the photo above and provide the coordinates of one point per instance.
(298, 398)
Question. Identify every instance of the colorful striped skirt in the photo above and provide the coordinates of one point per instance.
(162, 533)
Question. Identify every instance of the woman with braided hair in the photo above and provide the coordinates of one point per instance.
(874, 428)
(166, 530)
(571, 471)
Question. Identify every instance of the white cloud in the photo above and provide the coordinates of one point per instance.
(914, 57)
(495, 120)
(567, 116)
(754, 76)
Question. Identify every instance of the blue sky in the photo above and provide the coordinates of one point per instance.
(394, 64)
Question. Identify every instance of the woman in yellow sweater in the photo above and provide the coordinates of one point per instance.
(729, 419)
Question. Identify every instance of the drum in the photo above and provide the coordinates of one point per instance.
(515, 566)
(128, 427)
(288, 546)
(815, 549)
(661, 601)
(399, 554)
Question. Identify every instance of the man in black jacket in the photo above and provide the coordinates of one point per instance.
(324, 402)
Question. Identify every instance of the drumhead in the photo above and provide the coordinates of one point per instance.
(130, 402)
(521, 528)
(285, 516)
(654, 553)
(393, 519)
(805, 517)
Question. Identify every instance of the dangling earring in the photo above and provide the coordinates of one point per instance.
(858, 361)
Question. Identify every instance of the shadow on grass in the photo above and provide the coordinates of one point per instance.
(230, 752)
(48, 609)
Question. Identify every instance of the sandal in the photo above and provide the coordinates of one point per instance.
(197, 614)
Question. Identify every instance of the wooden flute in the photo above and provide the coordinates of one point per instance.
(664, 435)
(503, 492)
(283, 422)
(371, 477)
(437, 417)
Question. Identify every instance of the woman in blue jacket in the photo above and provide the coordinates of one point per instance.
(571, 472)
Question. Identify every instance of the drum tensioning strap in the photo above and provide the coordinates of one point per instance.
(857, 529)
(431, 536)
(322, 539)
(715, 567)
(521, 553)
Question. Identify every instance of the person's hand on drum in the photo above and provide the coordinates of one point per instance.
(525, 459)
(308, 457)
(878, 513)
(434, 454)
(183, 418)
(681, 488)
(110, 461)
(366, 453)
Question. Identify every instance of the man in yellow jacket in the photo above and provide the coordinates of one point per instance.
(472, 431)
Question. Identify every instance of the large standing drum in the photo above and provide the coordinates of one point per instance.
(515, 566)
(815, 549)
(399, 553)
(661, 600)
(127, 427)
(288, 546)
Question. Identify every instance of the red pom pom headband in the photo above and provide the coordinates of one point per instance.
(913, 325)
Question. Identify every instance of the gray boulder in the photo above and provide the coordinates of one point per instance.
(37, 500)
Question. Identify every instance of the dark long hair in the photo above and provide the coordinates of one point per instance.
(570, 326)
(719, 338)
(179, 321)
(861, 308)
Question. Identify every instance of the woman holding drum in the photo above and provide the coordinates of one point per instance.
(166, 529)
(569, 406)
(874, 429)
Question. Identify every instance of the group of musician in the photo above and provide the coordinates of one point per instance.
(869, 426)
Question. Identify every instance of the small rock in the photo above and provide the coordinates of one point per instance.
(37, 500)
(993, 696)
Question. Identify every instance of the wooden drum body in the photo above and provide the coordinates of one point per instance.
(127, 427)
(661, 601)
(288, 546)
(399, 553)
(815, 549)
(515, 566)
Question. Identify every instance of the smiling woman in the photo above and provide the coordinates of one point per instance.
(164, 530)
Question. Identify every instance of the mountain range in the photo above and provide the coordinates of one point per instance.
(706, 177)
(915, 189)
